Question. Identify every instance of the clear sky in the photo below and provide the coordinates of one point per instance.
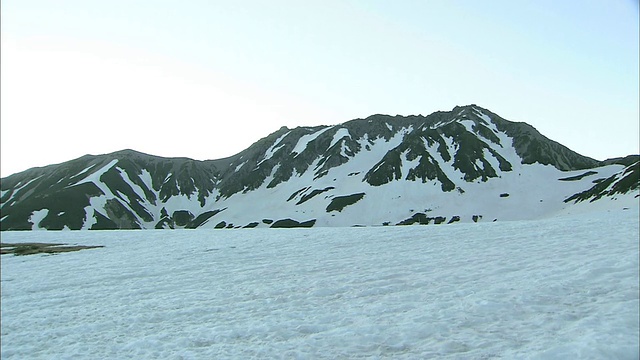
(205, 79)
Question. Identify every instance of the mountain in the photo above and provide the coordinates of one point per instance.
(467, 164)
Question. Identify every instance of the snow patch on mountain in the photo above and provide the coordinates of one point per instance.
(95, 204)
(95, 177)
(407, 164)
(302, 143)
(167, 178)
(446, 166)
(36, 217)
(486, 118)
(136, 188)
(339, 135)
(271, 176)
(468, 124)
(85, 170)
(268, 154)
(182, 202)
(17, 190)
(239, 166)
(147, 180)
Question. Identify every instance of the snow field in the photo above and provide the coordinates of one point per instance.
(557, 288)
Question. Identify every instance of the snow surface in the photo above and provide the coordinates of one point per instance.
(559, 288)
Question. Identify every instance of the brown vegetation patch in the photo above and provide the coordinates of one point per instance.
(40, 248)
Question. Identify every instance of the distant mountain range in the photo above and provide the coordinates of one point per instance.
(467, 165)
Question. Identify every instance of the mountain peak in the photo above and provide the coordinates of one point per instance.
(129, 153)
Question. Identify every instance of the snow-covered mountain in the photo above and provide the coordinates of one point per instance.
(467, 164)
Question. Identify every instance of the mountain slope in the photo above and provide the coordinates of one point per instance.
(467, 164)
(622, 182)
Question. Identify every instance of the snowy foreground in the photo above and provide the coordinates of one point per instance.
(561, 288)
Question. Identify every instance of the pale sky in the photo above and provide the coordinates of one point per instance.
(205, 79)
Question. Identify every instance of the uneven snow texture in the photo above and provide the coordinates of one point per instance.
(561, 288)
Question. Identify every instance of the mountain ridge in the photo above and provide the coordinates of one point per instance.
(302, 176)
